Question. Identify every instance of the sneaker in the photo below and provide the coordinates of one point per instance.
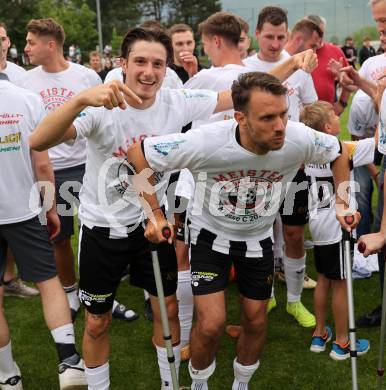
(185, 353)
(13, 383)
(301, 314)
(318, 343)
(16, 288)
(271, 304)
(148, 310)
(308, 283)
(233, 331)
(308, 244)
(121, 312)
(371, 319)
(342, 352)
(72, 376)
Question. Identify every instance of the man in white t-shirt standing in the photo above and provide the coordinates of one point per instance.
(239, 199)
(272, 35)
(12, 70)
(22, 231)
(56, 81)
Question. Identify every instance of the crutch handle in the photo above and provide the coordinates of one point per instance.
(361, 247)
(166, 232)
(349, 219)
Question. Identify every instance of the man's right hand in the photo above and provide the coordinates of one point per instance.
(306, 60)
(110, 95)
(154, 228)
(373, 243)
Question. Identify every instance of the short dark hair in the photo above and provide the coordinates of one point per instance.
(274, 15)
(247, 82)
(47, 27)
(148, 35)
(348, 39)
(2, 24)
(244, 25)
(180, 27)
(224, 24)
(307, 27)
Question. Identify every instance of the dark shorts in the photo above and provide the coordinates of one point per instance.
(210, 270)
(67, 186)
(30, 244)
(102, 261)
(294, 209)
(329, 261)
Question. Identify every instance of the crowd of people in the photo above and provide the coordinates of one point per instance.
(236, 158)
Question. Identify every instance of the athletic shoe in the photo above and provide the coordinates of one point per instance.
(71, 374)
(16, 288)
(318, 343)
(342, 352)
(13, 383)
(271, 304)
(308, 244)
(148, 310)
(371, 319)
(185, 353)
(121, 312)
(308, 283)
(301, 314)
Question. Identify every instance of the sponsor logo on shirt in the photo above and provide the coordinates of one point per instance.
(13, 138)
(165, 148)
(190, 94)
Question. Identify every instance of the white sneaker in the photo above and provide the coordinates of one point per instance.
(72, 376)
(13, 383)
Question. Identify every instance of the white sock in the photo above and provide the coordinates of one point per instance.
(8, 368)
(185, 305)
(273, 290)
(200, 377)
(294, 276)
(98, 378)
(278, 242)
(146, 294)
(72, 296)
(64, 334)
(243, 375)
(164, 366)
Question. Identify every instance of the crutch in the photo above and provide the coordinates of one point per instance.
(350, 297)
(166, 232)
(380, 368)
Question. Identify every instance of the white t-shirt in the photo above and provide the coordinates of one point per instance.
(238, 193)
(324, 227)
(171, 79)
(106, 198)
(301, 89)
(381, 126)
(13, 71)
(373, 68)
(55, 89)
(363, 119)
(216, 79)
(20, 113)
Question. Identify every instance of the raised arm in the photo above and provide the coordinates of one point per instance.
(57, 126)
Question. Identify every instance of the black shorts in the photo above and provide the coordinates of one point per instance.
(102, 261)
(210, 270)
(67, 186)
(31, 246)
(294, 209)
(329, 260)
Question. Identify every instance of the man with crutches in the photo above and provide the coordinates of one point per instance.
(235, 208)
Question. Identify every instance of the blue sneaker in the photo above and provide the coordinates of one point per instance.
(318, 344)
(342, 352)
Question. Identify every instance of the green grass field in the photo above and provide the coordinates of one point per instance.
(286, 363)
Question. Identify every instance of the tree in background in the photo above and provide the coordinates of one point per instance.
(77, 19)
(365, 32)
